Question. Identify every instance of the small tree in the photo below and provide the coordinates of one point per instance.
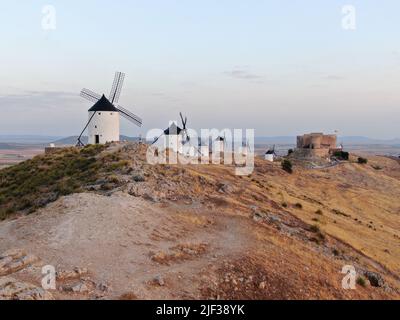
(362, 160)
(287, 166)
(290, 151)
(341, 155)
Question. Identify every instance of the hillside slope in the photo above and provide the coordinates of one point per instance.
(199, 231)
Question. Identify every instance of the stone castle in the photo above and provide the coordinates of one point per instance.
(317, 144)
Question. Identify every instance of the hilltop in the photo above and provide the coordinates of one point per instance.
(127, 229)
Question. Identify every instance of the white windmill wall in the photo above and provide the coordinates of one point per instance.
(269, 157)
(174, 142)
(219, 146)
(204, 150)
(105, 124)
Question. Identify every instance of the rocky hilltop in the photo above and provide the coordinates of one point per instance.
(116, 227)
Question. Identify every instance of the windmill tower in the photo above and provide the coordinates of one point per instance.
(104, 116)
(173, 138)
(270, 154)
(176, 137)
(246, 149)
(219, 144)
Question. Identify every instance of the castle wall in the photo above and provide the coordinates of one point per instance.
(316, 141)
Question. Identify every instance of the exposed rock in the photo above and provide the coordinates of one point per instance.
(159, 280)
(136, 191)
(80, 287)
(225, 188)
(138, 177)
(150, 197)
(12, 289)
(14, 260)
(374, 278)
(80, 271)
(265, 217)
(68, 274)
(13, 253)
(46, 199)
(102, 286)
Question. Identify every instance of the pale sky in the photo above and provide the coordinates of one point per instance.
(282, 67)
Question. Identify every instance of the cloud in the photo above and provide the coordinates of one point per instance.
(396, 56)
(334, 77)
(34, 100)
(241, 73)
(45, 113)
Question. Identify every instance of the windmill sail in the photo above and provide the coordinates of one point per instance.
(90, 95)
(129, 116)
(116, 87)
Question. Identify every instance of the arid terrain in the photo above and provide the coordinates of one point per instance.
(116, 227)
(11, 154)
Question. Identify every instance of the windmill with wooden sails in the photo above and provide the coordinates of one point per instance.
(104, 116)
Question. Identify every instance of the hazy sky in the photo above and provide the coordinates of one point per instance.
(283, 67)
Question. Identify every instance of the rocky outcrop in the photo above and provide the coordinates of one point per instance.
(11, 262)
(12, 289)
(15, 260)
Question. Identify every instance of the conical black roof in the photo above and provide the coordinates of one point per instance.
(103, 105)
(172, 130)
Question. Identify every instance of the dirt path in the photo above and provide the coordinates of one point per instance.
(115, 238)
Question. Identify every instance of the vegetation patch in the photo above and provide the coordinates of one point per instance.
(298, 205)
(341, 155)
(340, 213)
(361, 282)
(34, 183)
(362, 160)
(287, 166)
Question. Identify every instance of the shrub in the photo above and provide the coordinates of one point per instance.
(287, 166)
(342, 155)
(290, 151)
(284, 204)
(314, 228)
(113, 179)
(362, 160)
(298, 205)
(361, 282)
(138, 178)
(319, 211)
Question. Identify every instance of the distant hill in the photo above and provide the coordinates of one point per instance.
(27, 139)
(365, 140)
(350, 140)
(10, 146)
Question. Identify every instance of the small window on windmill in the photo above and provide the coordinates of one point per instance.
(95, 127)
(99, 113)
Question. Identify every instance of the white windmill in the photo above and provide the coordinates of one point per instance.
(103, 123)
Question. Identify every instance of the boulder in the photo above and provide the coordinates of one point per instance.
(374, 278)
